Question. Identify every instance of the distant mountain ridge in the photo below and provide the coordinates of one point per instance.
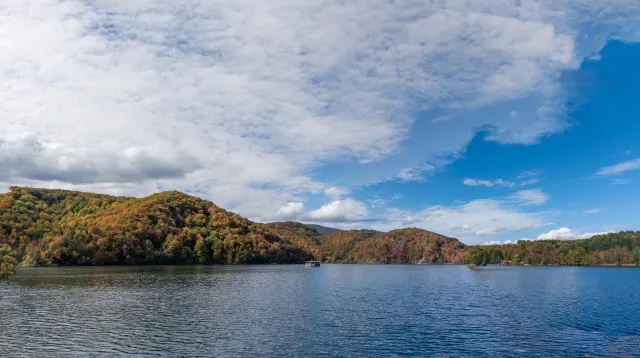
(59, 227)
(318, 228)
(323, 229)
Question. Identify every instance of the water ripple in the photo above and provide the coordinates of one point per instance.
(334, 310)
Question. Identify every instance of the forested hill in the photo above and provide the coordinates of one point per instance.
(409, 245)
(58, 227)
(622, 248)
(323, 229)
(40, 227)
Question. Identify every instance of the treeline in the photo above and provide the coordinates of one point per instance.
(622, 248)
(57, 227)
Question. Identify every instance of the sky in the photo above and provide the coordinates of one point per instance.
(490, 121)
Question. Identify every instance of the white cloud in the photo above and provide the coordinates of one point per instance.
(336, 193)
(620, 181)
(340, 211)
(291, 211)
(560, 234)
(566, 234)
(419, 173)
(469, 221)
(487, 183)
(25, 156)
(592, 211)
(530, 181)
(377, 202)
(410, 174)
(528, 174)
(530, 197)
(239, 100)
(620, 167)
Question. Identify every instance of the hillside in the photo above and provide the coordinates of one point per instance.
(58, 227)
(618, 249)
(369, 246)
(323, 229)
(300, 235)
(409, 245)
(41, 227)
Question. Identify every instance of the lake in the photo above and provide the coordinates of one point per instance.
(332, 310)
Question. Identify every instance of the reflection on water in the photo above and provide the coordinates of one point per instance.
(335, 310)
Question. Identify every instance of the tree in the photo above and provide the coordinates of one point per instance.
(8, 263)
(202, 251)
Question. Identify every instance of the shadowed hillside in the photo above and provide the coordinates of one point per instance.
(323, 229)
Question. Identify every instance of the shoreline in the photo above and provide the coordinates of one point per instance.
(323, 263)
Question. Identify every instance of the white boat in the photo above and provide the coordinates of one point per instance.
(312, 264)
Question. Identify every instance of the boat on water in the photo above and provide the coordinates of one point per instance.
(312, 264)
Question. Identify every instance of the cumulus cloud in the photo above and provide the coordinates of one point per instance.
(487, 183)
(530, 197)
(340, 211)
(620, 168)
(560, 234)
(26, 157)
(210, 97)
(566, 234)
(336, 193)
(291, 211)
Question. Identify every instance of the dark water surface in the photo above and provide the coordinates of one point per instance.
(334, 310)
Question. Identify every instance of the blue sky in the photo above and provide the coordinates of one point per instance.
(487, 121)
(603, 127)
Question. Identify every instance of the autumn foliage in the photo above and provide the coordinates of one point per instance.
(617, 249)
(43, 227)
(409, 245)
(58, 227)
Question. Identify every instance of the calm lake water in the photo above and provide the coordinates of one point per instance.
(333, 310)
